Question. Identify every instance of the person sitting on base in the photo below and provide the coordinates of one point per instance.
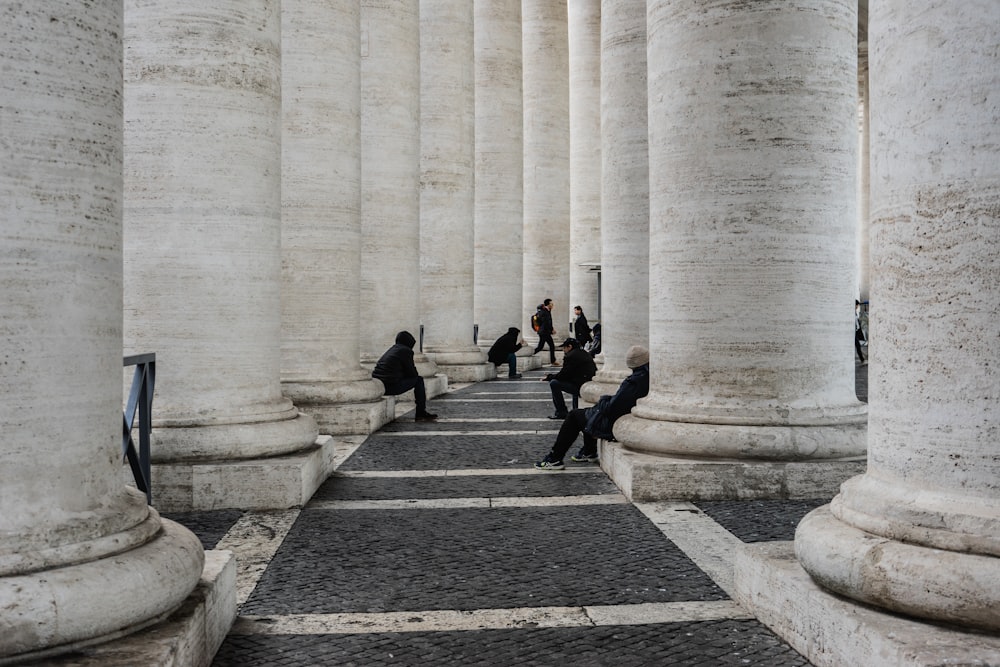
(597, 421)
(578, 368)
(399, 374)
(504, 349)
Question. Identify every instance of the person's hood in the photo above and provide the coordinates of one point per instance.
(514, 331)
(406, 338)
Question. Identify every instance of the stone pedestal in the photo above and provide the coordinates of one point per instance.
(752, 222)
(321, 218)
(202, 234)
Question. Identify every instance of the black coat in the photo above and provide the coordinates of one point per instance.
(544, 320)
(578, 367)
(397, 362)
(581, 330)
(503, 346)
(601, 417)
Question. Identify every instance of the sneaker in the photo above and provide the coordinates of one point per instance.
(426, 417)
(514, 377)
(555, 363)
(558, 415)
(545, 464)
(583, 458)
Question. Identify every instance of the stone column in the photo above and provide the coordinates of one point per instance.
(752, 143)
(202, 250)
(321, 218)
(546, 162)
(499, 178)
(82, 556)
(864, 158)
(447, 245)
(919, 532)
(390, 181)
(624, 191)
(584, 39)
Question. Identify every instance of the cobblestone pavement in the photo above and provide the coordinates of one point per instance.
(439, 544)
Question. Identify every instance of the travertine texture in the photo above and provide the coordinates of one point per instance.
(321, 217)
(499, 177)
(932, 489)
(624, 191)
(546, 162)
(81, 556)
(446, 188)
(584, 38)
(864, 158)
(390, 178)
(752, 143)
(202, 226)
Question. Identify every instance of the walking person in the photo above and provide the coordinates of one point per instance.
(543, 317)
(503, 351)
(578, 368)
(399, 374)
(598, 420)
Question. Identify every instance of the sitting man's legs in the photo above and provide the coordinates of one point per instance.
(571, 427)
(419, 393)
(512, 365)
(558, 387)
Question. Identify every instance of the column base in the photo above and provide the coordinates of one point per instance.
(646, 477)
(349, 418)
(277, 482)
(831, 630)
(468, 372)
(192, 635)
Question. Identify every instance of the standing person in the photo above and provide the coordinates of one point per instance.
(581, 330)
(859, 332)
(399, 374)
(598, 420)
(546, 330)
(578, 368)
(503, 351)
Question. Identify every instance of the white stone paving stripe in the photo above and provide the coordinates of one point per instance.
(471, 472)
(255, 538)
(710, 546)
(488, 619)
(424, 434)
(440, 503)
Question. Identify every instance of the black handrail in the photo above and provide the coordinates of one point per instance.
(140, 398)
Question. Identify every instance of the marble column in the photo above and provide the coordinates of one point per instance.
(499, 177)
(864, 158)
(919, 532)
(752, 144)
(546, 162)
(584, 38)
(321, 218)
(390, 182)
(624, 191)
(82, 557)
(447, 156)
(202, 250)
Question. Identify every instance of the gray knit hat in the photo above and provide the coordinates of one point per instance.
(636, 356)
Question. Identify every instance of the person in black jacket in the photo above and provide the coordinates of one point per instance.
(504, 349)
(578, 367)
(581, 329)
(597, 421)
(545, 330)
(399, 374)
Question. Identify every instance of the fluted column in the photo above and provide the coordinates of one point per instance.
(390, 178)
(447, 243)
(624, 191)
(919, 532)
(752, 165)
(499, 178)
(321, 217)
(546, 161)
(202, 227)
(82, 556)
(584, 38)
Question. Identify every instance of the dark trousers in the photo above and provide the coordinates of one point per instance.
(546, 339)
(406, 384)
(858, 337)
(558, 387)
(571, 427)
(511, 365)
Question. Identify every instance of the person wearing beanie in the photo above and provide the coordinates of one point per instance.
(399, 374)
(578, 367)
(504, 349)
(597, 421)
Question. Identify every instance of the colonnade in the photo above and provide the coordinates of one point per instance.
(302, 181)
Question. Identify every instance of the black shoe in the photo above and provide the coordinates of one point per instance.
(583, 458)
(518, 376)
(425, 417)
(558, 415)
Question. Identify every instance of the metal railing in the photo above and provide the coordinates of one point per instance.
(140, 399)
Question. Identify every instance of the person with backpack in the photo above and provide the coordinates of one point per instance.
(598, 420)
(541, 322)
